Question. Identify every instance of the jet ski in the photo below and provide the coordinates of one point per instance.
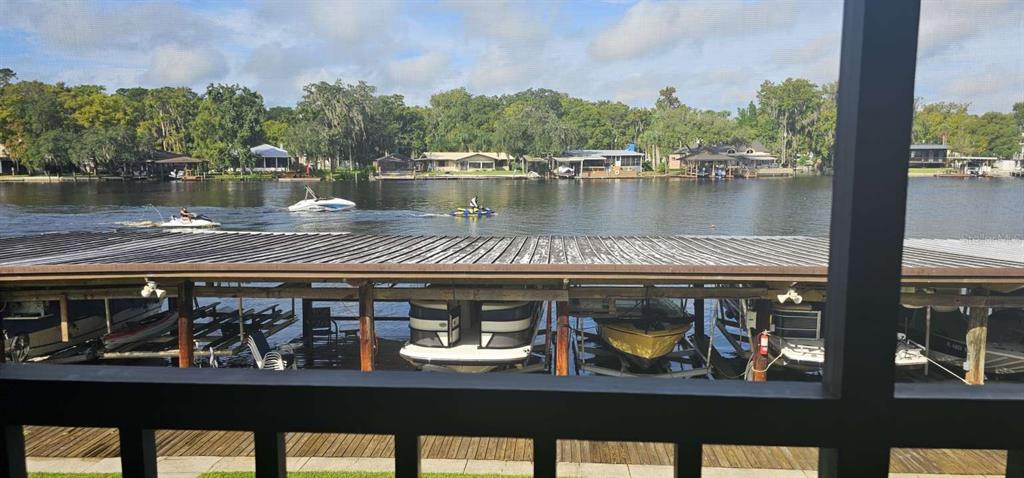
(314, 203)
(196, 221)
(472, 212)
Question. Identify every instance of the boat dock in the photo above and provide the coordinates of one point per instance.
(330, 267)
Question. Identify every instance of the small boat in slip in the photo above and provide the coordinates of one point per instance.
(1004, 351)
(470, 336)
(32, 329)
(646, 331)
(314, 203)
(147, 328)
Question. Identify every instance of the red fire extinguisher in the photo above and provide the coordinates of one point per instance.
(762, 343)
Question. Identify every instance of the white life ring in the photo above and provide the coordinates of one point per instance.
(618, 172)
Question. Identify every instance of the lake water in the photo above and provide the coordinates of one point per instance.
(937, 207)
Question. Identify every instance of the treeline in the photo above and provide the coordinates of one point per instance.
(59, 128)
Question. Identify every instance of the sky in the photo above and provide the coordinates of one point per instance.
(715, 52)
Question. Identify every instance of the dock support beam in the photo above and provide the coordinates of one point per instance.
(185, 346)
(65, 321)
(138, 452)
(367, 334)
(270, 454)
(562, 340)
(12, 456)
(977, 336)
(759, 362)
(407, 455)
(307, 334)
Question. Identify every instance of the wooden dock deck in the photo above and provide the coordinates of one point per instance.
(103, 443)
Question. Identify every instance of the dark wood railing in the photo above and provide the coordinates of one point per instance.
(856, 415)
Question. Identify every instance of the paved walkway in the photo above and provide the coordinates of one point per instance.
(193, 466)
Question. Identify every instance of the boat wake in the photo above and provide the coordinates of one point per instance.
(137, 223)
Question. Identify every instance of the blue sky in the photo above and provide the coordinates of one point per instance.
(715, 52)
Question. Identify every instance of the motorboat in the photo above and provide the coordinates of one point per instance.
(645, 331)
(195, 221)
(565, 172)
(472, 212)
(152, 326)
(470, 336)
(797, 341)
(33, 329)
(1004, 350)
(314, 203)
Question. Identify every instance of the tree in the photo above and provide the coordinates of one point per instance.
(34, 126)
(7, 76)
(334, 121)
(168, 115)
(789, 106)
(667, 99)
(111, 149)
(229, 121)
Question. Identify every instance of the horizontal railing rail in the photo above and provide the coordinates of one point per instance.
(413, 404)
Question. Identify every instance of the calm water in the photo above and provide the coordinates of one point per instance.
(937, 207)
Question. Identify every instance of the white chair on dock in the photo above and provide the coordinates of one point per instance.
(265, 358)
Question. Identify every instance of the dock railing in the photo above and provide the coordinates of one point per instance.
(855, 416)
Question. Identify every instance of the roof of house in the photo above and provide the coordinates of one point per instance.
(168, 157)
(574, 159)
(710, 153)
(602, 152)
(929, 146)
(268, 151)
(459, 155)
(393, 157)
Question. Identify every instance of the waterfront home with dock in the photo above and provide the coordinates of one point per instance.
(601, 163)
(450, 161)
(395, 164)
(748, 160)
(928, 155)
(271, 159)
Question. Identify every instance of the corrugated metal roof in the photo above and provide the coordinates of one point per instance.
(440, 257)
(268, 151)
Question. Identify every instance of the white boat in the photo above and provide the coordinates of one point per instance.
(199, 221)
(314, 203)
(149, 327)
(497, 335)
(32, 329)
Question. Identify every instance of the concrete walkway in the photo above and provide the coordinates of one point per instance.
(193, 466)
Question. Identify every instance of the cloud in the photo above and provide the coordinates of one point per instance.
(180, 66)
(948, 24)
(651, 27)
(425, 69)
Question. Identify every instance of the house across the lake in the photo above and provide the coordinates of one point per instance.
(748, 160)
(447, 161)
(928, 155)
(601, 163)
(395, 164)
(271, 159)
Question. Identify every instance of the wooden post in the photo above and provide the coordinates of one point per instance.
(241, 320)
(185, 346)
(562, 340)
(547, 332)
(307, 333)
(65, 323)
(759, 365)
(927, 337)
(367, 335)
(106, 311)
(977, 336)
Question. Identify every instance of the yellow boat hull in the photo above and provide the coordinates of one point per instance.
(646, 344)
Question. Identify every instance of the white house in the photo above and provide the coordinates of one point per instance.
(461, 161)
(270, 158)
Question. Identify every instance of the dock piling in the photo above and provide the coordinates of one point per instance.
(307, 333)
(562, 340)
(106, 314)
(185, 345)
(367, 334)
(977, 336)
(65, 325)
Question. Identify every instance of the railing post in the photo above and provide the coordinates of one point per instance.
(689, 459)
(869, 195)
(407, 455)
(562, 340)
(1015, 463)
(185, 345)
(12, 460)
(270, 454)
(138, 452)
(545, 455)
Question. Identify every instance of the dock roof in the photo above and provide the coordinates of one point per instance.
(596, 259)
